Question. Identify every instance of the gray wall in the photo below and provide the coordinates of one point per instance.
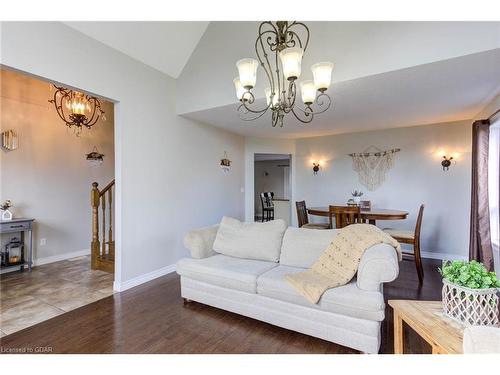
(417, 177)
(167, 167)
(47, 177)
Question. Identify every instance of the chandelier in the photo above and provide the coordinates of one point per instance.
(76, 108)
(279, 48)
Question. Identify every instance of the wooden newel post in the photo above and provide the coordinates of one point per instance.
(95, 245)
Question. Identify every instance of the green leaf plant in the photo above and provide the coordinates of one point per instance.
(471, 274)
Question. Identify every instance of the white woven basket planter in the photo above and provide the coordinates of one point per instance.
(473, 307)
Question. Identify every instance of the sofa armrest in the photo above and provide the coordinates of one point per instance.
(200, 241)
(481, 339)
(379, 264)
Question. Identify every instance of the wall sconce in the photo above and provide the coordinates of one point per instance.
(315, 168)
(225, 163)
(9, 140)
(446, 162)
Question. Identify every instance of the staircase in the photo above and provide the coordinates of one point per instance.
(103, 244)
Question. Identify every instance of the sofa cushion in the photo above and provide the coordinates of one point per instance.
(224, 271)
(346, 300)
(260, 241)
(302, 246)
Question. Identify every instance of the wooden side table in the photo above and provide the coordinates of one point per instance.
(427, 319)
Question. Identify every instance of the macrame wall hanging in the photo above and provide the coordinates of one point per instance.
(372, 165)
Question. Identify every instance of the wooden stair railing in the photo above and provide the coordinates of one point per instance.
(102, 249)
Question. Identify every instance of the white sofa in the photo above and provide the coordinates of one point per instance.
(350, 315)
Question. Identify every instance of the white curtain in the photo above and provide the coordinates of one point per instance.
(493, 190)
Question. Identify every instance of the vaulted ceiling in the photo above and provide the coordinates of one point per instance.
(387, 74)
(165, 46)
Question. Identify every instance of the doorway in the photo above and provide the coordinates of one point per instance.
(48, 177)
(272, 187)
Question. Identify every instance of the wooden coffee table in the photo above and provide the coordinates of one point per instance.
(427, 319)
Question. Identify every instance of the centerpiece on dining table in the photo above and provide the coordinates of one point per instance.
(356, 198)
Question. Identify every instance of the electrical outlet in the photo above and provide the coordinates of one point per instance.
(43, 241)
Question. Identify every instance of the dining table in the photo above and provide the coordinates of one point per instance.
(369, 214)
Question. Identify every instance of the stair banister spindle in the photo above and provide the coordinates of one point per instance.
(103, 252)
(103, 257)
(110, 232)
(95, 246)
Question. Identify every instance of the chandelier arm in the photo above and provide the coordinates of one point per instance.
(97, 108)
(60, 113)
(320, 102)
(292, 93)
(59, 106)
(295, 23)
(268, 68)
(259, 115)
(245, 102)
(280, 89)
(309, 116)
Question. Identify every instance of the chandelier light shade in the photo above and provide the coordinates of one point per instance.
(76, 108)
(291, 61)
(240, 90)
(322, 73)
(271, 96)
(280, 47)
(308, 92)
(247, 69)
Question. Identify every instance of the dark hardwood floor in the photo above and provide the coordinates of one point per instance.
(152, 319)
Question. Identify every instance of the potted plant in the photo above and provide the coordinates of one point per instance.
(356, 196)
(470, 293)
(6, 214)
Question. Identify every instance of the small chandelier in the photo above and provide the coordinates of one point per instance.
(76, 108)
(95, 158)
(279, 49)
(225, 163)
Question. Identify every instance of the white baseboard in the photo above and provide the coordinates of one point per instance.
(443, 256)
(51, 259)
(59, 257)
(121, 286)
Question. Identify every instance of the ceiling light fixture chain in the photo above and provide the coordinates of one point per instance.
(283, 40)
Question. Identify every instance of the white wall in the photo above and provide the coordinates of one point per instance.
(167, 167)
(416, 178)
(274, 180)
(264, 146)
(49, 173)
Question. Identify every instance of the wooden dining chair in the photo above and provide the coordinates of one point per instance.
(411, 238)
(303, 219)
(344, 216)
(266, 201)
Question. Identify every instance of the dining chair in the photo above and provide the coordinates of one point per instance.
(411, 238)
(266, 200)
(344, 215)
(303, 219)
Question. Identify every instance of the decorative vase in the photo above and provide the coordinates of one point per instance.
(357, 200)
(473, 307)
(6, 215)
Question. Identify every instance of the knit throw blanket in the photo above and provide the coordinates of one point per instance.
(339, 263)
